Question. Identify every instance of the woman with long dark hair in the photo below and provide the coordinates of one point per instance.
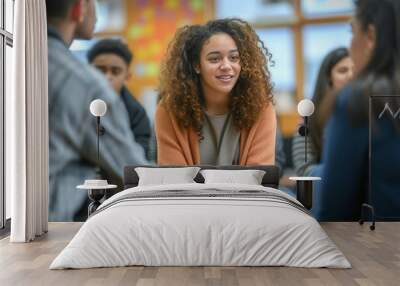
(335, 71)
(348, 173)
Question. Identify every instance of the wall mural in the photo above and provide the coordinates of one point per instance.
(151, 24)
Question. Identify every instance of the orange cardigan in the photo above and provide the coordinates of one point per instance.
(180, 146)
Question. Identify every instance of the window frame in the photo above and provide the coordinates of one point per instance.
(6, 39)
(296, 24)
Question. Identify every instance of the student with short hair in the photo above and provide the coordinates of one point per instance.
(113, 58)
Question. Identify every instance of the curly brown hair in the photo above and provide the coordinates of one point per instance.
(180, 88)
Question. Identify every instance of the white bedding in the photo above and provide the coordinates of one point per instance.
(183, 231)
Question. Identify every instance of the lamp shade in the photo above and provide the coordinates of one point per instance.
(98, 107)
(305, 107)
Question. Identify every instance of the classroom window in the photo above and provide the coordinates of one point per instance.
(6, 60)
(319, 40)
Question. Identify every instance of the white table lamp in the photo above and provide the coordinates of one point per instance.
(305, 108)
(98, 108)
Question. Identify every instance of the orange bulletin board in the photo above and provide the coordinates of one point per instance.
(151, 24)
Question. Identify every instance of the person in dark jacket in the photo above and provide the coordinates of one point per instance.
(361, 157)
(113, 58)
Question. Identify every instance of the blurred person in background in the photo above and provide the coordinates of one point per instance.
(113, 58)
(72, 128)
(216, 97)
(280, 156)
(335, 71)
(345, 175)
(285, 184)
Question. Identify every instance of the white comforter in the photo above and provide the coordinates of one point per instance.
(200, 231)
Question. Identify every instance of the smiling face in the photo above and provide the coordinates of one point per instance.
(219, 69)
(341, 73)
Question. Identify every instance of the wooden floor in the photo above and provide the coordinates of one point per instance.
(374, 255)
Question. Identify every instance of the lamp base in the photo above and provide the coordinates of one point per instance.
(362, 219)
(304, 193)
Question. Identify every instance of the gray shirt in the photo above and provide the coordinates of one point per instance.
(221, 141)
(72, 131)
(303, 168)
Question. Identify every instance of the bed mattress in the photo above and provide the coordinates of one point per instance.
(201, 225)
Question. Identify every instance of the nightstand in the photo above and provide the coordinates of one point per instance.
(304, 189)
(96, 191)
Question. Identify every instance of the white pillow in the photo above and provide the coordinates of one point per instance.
(165, 176)
(248, 177)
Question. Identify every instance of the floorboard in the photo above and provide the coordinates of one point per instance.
(374, 255)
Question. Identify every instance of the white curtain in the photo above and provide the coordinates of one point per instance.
(27, 124)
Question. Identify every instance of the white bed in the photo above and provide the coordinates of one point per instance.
(223, 225)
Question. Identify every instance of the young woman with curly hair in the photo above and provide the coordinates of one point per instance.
(215, 97)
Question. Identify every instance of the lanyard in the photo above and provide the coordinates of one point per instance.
(217, 144)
